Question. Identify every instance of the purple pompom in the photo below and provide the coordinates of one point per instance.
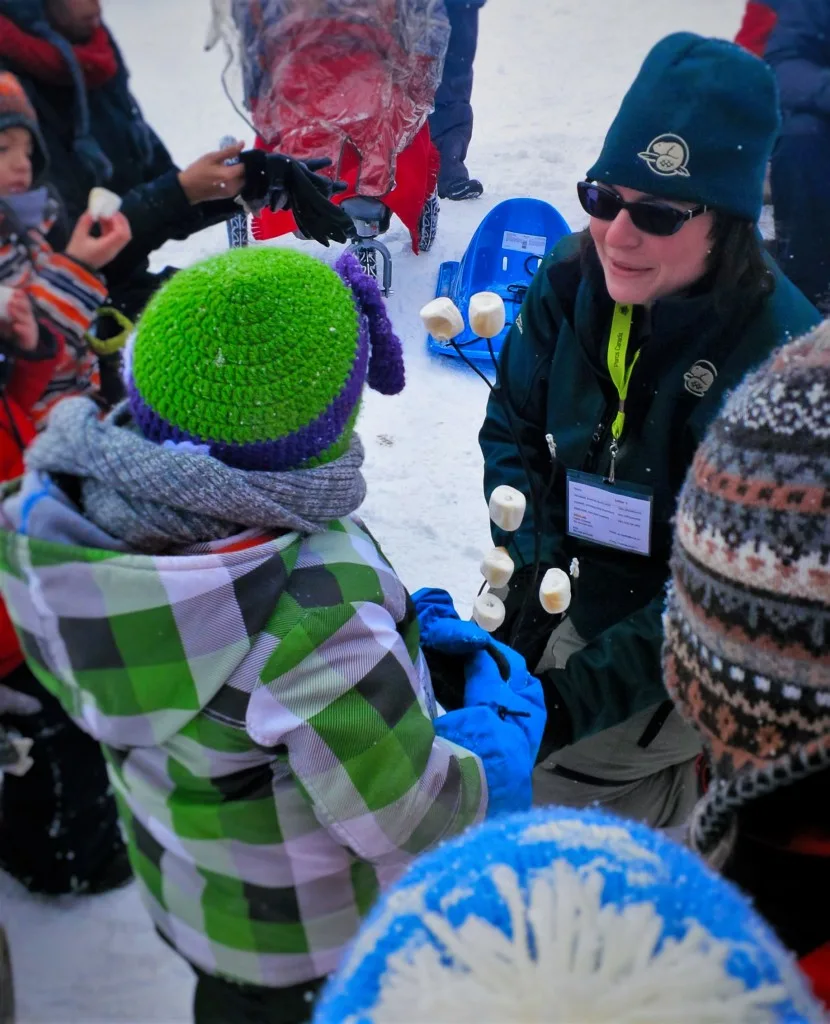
(386, 372)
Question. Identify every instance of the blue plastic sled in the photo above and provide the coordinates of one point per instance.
(502, 257)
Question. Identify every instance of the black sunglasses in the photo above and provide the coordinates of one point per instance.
(649, 215)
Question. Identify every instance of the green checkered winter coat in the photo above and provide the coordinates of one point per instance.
(266, 715)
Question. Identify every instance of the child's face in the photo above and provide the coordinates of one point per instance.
(16, 148)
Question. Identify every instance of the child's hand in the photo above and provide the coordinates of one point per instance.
(98, 252)
(19, 324)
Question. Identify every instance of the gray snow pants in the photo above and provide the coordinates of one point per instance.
(654, 782)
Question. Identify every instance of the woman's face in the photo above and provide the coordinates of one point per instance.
(641, 268)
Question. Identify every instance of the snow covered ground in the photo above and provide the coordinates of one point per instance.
(549, 78)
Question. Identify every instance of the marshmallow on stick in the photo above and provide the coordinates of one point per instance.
(497, 567)
(486, 314)
(507, 507)
(103, 203)
(488, 612)
(442, 318)
(555, 592)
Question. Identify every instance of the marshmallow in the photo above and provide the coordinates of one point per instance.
(5, 298)
(486, 314)
(20, 767)
(507, 507)
(555, 592)
(103, 203)
(442, 318)
(497, 567)
(22, 746)
(488, 612)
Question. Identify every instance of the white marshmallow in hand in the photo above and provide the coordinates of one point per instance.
(488, 612)
(486, 314)
(103, 204)
(555, 592)
(507, 507)
(443, 319)
(5, 298)
(497, 567)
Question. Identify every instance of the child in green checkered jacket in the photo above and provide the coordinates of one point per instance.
(188, 577)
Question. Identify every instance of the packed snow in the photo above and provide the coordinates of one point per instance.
(549, 78)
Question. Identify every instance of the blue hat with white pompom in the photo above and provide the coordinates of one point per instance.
(560, 916)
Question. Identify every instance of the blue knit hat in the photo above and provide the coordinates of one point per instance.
(698, 124)
(558, 916)
(30, 15)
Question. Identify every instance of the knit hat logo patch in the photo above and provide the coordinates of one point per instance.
(667, 155)
(700, 378)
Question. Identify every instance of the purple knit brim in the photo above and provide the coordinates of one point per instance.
(272, 456)
(386, 369)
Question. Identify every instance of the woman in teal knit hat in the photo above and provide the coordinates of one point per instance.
(189, 579)
(631, 334)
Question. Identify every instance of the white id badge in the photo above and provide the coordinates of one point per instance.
(616, 515)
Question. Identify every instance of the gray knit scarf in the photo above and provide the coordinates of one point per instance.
(155, 498)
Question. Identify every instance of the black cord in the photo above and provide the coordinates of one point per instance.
(535, 503)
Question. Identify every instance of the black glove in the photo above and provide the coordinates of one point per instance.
(447, 674)
(273, 179)
(527, 626)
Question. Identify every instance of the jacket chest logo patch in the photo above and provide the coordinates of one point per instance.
(700, 378)
(667, 155)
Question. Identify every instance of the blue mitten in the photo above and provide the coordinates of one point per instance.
(498, 678)
(502, 747)
(441, 627)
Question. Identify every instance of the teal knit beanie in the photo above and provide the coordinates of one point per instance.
(259, 356)
(698, 124)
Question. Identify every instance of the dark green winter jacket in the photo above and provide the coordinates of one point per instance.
(554, 375)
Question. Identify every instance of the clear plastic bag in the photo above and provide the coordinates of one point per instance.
(316, 75)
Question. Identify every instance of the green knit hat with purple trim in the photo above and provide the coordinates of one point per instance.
(260, 356)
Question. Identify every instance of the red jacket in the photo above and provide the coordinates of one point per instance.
(25, 386)
(816, 966)
(756, 28)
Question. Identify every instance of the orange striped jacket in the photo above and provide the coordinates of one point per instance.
(65, 294)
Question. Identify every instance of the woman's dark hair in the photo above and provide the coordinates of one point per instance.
(738, 275)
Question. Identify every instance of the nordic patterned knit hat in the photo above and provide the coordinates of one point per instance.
(260, 355)
(559, 916)
(17, 112)
(747, 624)
(698, 124)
